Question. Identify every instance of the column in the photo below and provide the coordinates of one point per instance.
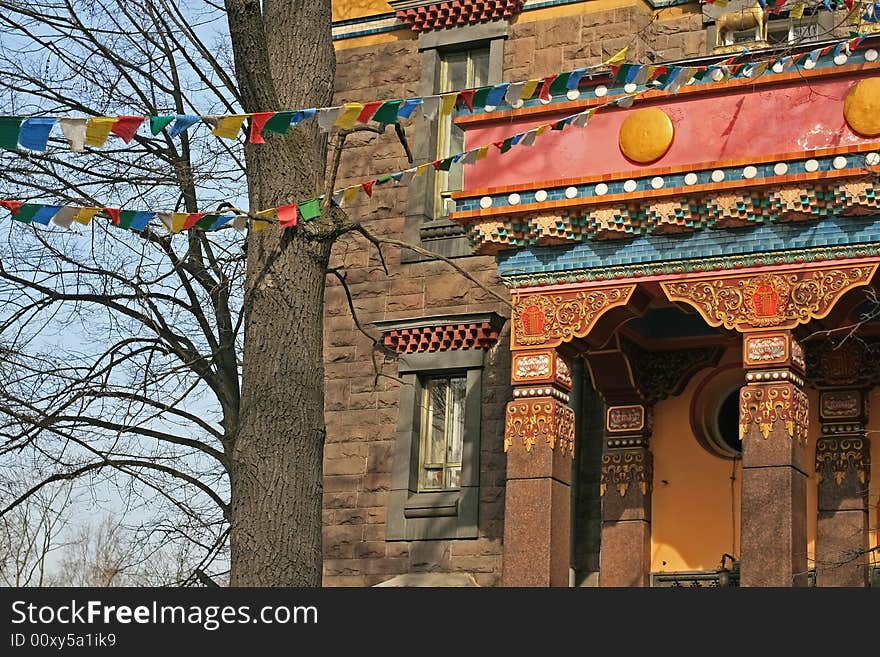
(843, 470)
(773, 428)
(539, 442)
(625, 487)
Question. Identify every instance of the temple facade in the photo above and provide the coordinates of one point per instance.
(637, 339)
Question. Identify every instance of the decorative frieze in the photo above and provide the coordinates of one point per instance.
(767, 404)
(625, 419)
(540, 419)
(840, 405)
(425, 15)
(664, 373)
(837, 457)
(622, 468)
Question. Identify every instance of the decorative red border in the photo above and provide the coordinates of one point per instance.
(439, 15)
(447, 337)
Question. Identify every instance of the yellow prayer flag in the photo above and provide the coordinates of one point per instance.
(798, 10)
(482, 152)
(422, 168)
(98, 129)
(258, 225)
(617, 59)
(85, 215)
(349, 194)
(542, 129)
(228, 127)
(447, 103)
(349, 115)
(178, 219)
(529, 88)
(759, 69)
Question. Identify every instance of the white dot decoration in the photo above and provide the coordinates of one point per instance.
(750, 172)
(490, 108)
(780, 169)
(717, 175)
(811, 165)
(717, 75)
(870, 55)
(541, 195)
(519, 103)
(630, 186)
(809, 63)
(486, 202)
(838, 162)
(571, 192)
(629, 88)
(601, 90)
(777, 68)
(572, 94)
(514, 199)
(840, 59)
(601, 189)
(690, 179)
(657, 182)
(872, 159)
(545, 101)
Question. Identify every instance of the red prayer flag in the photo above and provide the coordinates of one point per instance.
(498, 144)
(368, 187)
(258, 120)
(126, 126)
(436, 164)
(778, 6)
(192, 219)
(467, 95)
(545, 88)
(287, 215)
(12, 206)
(849, 4)
(113, 213)
(369, 110)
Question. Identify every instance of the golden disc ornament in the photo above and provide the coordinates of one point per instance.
(646, 135)
(861, 108)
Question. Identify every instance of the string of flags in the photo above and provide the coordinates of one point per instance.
(33, 132)
(287, 216)
(855, 7)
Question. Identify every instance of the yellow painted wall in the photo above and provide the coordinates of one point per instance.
(345, 9)
(696, 514)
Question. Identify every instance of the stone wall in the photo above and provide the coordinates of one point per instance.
(361, 408)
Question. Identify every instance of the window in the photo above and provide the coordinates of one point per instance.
(442, 433)
(464, 69)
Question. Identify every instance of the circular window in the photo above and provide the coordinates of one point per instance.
(715, 412)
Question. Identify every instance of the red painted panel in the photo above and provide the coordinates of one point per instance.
(712, 127)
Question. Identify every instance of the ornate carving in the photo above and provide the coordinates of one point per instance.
(553, 318)
(780, 300)
(766, 349)
(622, 467)
(855, 362)
(563, 372)
(540, 418)
(532, 366)
(836, 457)
(765, 404)
(625, 418)
(840, 404)
(660, 374)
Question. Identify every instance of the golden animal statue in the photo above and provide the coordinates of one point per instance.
(740, 20)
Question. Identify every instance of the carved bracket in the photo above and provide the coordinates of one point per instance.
(765, 404)
(780, 299)
(547, 319)
(660, 374)
(539, 418)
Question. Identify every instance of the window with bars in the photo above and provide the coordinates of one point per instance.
(442, 433)
(460, 69)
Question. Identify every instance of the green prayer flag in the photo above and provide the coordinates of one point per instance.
(280, 123)
(481, 95)
(158, 123)
(382, 180)
(310, 209)
(445, 165)
(9, 127)
(207, 221)
(125, 218)
(560, 85)
(27, 211)
(387, 113)
(506, 145)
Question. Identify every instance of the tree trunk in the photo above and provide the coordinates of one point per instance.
(284, 59)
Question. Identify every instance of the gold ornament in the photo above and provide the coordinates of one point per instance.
(861, 108)
(646, 135)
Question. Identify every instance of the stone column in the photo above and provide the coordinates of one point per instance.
(625, 487)
(773, 428)
(539, 442)
(843, 467)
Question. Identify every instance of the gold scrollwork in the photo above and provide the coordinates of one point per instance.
(553, 318)
(767, 404)
(840, 456)
(540, 418)
(620, 468)
(781, 300)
